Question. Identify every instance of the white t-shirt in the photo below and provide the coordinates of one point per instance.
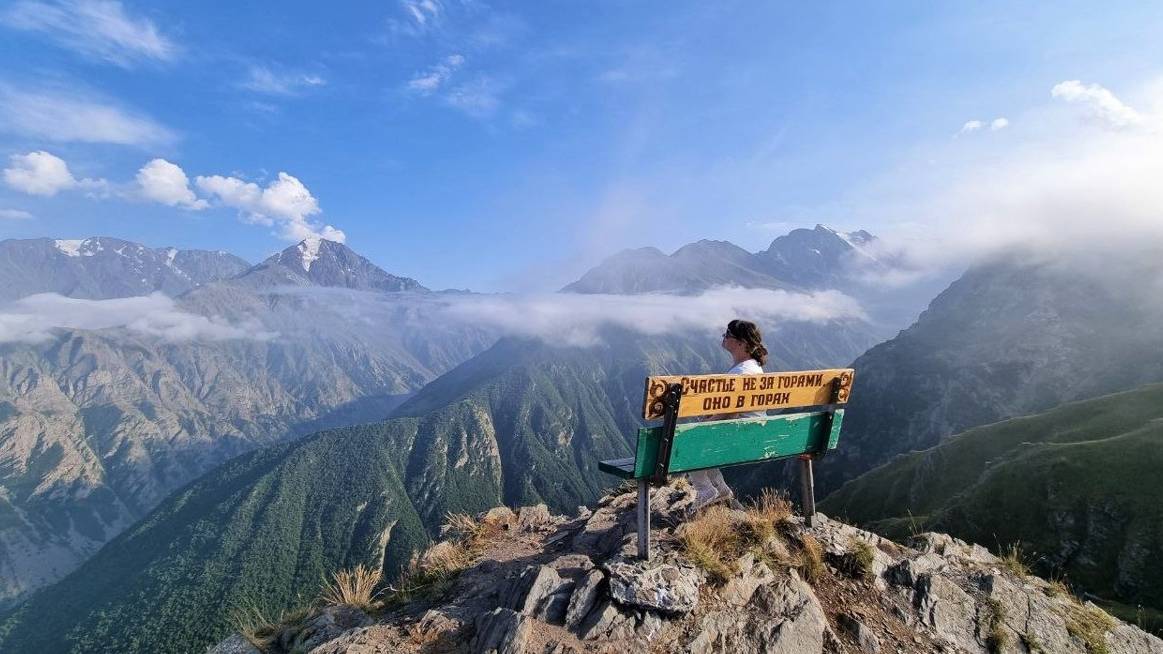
(748, 367)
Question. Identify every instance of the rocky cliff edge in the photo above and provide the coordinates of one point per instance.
(721, 580)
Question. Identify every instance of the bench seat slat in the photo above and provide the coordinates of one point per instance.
(623, 468)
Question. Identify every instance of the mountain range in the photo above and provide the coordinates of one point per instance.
(523, 422)
(100, 424)
(104, 267)
(1074, 487)
(1009, 338)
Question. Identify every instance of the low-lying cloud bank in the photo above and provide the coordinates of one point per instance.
(1078, 178)
(569, 318)
(32, 319)
(576, 319)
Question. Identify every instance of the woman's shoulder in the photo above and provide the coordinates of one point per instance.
(748, 367)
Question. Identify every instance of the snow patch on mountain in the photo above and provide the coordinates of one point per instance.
(309, 251)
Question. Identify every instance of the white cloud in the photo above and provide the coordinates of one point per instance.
(42, 173)
(66, 116)
(1063, 192)
(999, 123)
(419, 17)
(971, 126)
(262, 79)
(429, 81)
(479, 98)
(578, 319)
(1102, 104)
(95, 28)
(285, 203)
(14, 214)
(32, 319)
(164, 182)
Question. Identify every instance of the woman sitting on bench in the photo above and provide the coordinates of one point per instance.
(745, 345)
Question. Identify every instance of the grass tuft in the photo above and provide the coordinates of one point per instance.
(997, 639)
(811, 563)
(357, 587)
(1013, 559)
(262, 629)
(771, 506)
(1089, 624)
(863, 556)
(716, 538)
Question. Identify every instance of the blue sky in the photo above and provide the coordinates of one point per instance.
(510, 146)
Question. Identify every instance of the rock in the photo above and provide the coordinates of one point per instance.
(949, 611)
(798, 622)
(951, 547)
(329, 623)
(553, 609)
(533, 589)
(531, 518)
(650, 626)
(660, 586)
(607, 622)
(908, 572)
(434, 623)
(585, 595)
(236, 644)
(502, 631)
(572, 565)
(752, 574)
(584, 512)
(865, 638)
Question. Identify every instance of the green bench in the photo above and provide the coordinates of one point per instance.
(673, 448)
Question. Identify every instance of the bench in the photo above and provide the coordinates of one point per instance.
(673, 448)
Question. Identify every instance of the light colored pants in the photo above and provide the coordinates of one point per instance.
(709, 486)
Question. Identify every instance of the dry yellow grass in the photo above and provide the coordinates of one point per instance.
(811, 563)
(718, 536)
(771, 506)
(262, 630)
(1013, 559)
(357, 587)
(1089, 624)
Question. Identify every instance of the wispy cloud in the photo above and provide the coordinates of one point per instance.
(69, 116)
(970, 126)
(417, 17)
(479, 98)
(285, 203)
(263, 79)
(34, 319)
(165, 182)
(45, 174)
(99, 29)
(15, 214)
(429, 81)
(1101, 103)
(578, 319)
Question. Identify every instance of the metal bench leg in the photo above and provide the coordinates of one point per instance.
(807, 490)
(644, 519)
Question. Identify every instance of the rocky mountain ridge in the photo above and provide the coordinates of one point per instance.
(528, 582)
(103, 267)
(804, 259)
(98, 426)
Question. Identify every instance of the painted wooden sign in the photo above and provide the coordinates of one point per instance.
(704, 395)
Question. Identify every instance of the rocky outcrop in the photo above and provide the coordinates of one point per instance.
(561, 585)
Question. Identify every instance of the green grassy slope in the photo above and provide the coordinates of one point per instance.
(1078, 486)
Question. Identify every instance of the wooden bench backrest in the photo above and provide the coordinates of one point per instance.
(700, 445)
